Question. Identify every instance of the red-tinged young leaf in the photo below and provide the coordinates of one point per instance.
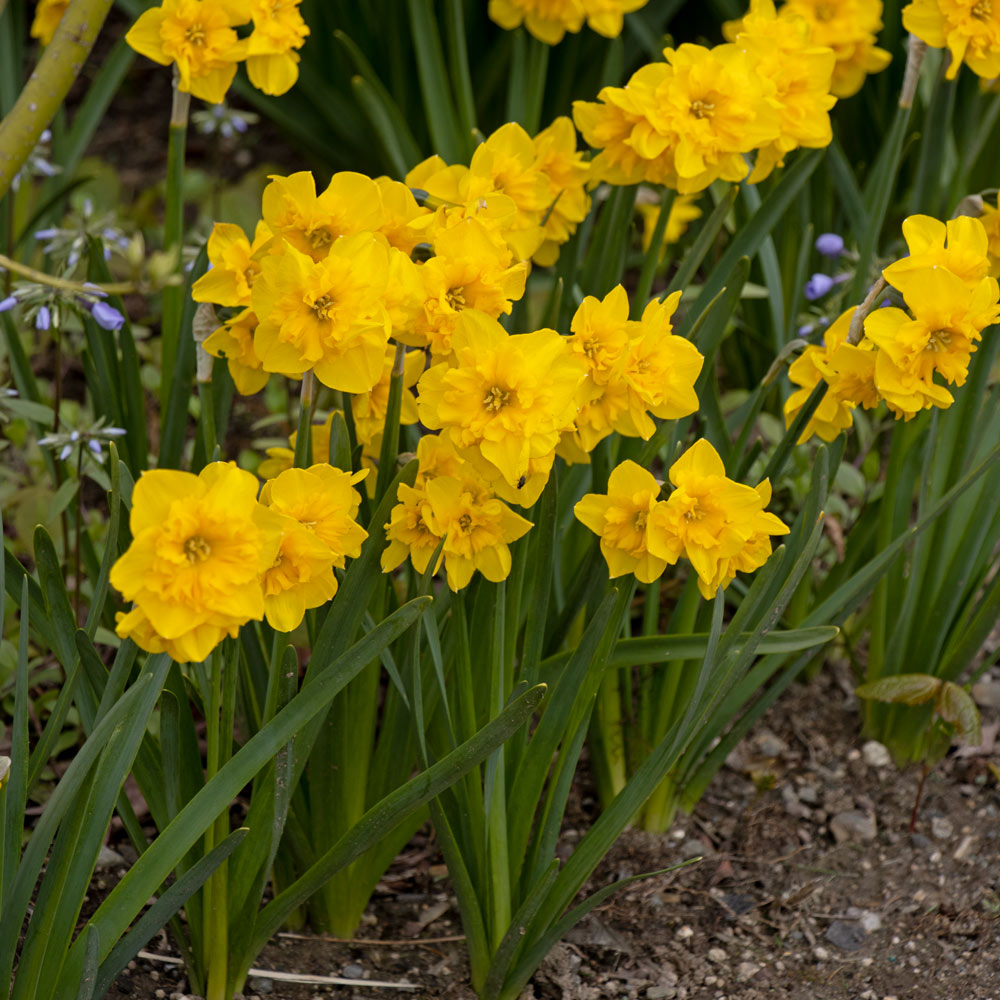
(903, 689)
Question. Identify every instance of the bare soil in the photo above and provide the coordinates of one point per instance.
(776, 908)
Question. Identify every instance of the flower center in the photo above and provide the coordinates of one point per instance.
(702, 109)
(196, 549)
(640, 519)
(455, 297)
(825, 11)
(278, 560)
(320, 238)
(323, 306)
(195, 34)
(939, 340)
(694, 514)
(496, 399)
(591, 346)
(983, 10)
(465, 523)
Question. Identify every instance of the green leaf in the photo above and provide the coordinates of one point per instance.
(955, 705)
(901, 689)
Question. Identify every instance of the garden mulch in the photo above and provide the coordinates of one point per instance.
(777, 907)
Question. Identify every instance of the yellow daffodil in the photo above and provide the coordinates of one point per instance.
(278, 30)
(547, 20)
(234, 265)
(712, 519)
(800, 73)
(835, 411)
(947, 319)
(568, 173)
(369, 408)
(968, 29)
(327, 315)
(756, 549)
(324, 500)
(48, 14)
(409, 532)
(850, 28)
(600, 333)
(301, 577)
(234, 342)
(313, 223)
(961, 245)
(904, 391)
(506, 399)
(630, 522)
(198, 37)
(200, 545)
(404, 222)
(607, 17)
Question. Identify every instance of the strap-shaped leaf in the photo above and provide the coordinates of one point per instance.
(901, 689)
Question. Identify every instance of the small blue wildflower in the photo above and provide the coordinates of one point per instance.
(829, 244)
(43, 319)
(107, 316)
(67, 450)
(8, 303)
(818, 286)
(95, 447)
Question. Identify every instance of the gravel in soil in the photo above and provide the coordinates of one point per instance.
(810, 887)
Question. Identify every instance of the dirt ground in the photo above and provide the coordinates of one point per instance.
(776, 908)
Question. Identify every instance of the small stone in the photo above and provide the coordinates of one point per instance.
(941, 828)
(848, 937)
(159, 994)
(870, 921)
(769, 744)
(964, 849)
(986, 694)
(660, 993)
(352, 971)
(876, 754)
(694, 848)
(853, 825)
(107, 858)
(746, 970)
(260, 984)
(717, 955)
(809, 794)
(919, 841)
(821, 953)
(685, 932)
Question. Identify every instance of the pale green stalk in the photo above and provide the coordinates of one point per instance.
(48, 85)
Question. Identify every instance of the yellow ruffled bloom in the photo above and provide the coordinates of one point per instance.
(235, 265)
(200, 545)
(547, 20)
(716, 522)
(800, 73)
(278, 30)
(506, 399)
(369, 408)
(961, 245)
(198, 37)
(301, 577)
(683, 210)
(850, 28)
(234, 342)
(968, 29)
(568, 173)
(630, 522)
(48, 14)
(327, 316)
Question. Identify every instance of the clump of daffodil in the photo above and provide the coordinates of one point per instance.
(684, 123)
(326, 315)
(472, 269)
(235, 265)
(48, 14)
(683, 211)
(448, 506)
(318, 507)
(630, 522)
(199, 37)
(968, 29)
(505, 400)
(634, 369)
(800, 73)
(200, 546)
(850, 375)
(531, 192)
(850, 28)
(719, 525)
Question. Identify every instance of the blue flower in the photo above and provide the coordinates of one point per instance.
(43, 319)
(107, 316)
(829, 244)
(818, 286)
(8, 303)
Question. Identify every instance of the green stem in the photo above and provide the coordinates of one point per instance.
(48, 85)
(173, 239)
(496, 831)
(652, 259)
(303, 436)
